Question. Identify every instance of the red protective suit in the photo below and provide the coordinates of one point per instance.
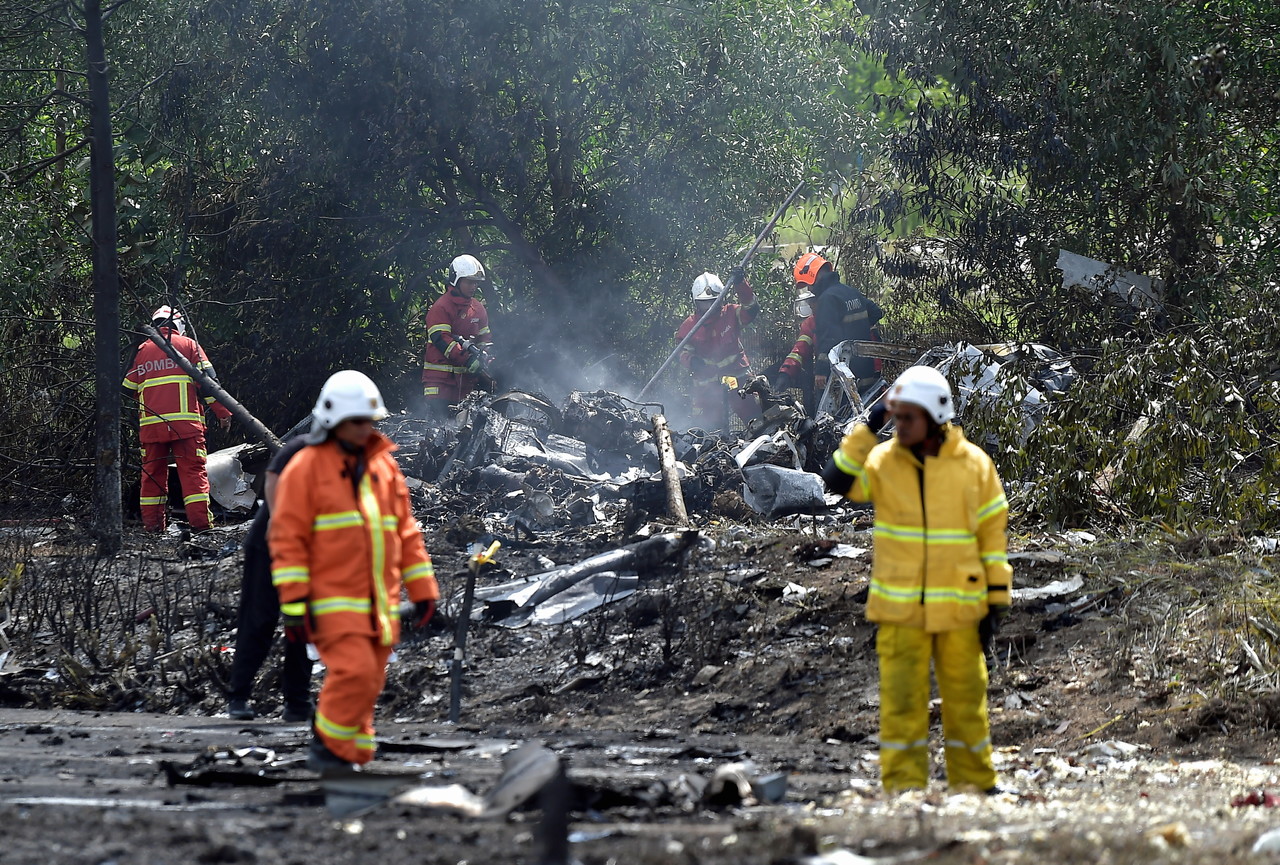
(802, 351)
(715, 351)
(171, 420)
(444, 368)
(343, 538)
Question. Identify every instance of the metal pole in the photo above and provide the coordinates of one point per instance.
(215, 390)
(724, 295)
(460, 632)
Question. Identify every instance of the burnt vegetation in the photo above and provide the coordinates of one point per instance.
(297, 176)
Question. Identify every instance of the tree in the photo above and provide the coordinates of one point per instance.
(1137, 133)
(106, 288)
(28, 25)
(591, 153)
(1122, 132)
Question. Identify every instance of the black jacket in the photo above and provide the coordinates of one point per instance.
(842, 313)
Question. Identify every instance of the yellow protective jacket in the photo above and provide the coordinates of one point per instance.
(344, 549)
(941, 555)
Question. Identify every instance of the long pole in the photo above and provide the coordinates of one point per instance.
(109, 518)
(460, 631)
(211, 387)
(724, 295)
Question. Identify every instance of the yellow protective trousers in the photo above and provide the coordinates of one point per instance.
(961, 670)
(356, 670)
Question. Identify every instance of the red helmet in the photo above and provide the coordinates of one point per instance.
(807, 267)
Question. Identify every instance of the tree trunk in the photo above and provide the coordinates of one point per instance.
(109, 519)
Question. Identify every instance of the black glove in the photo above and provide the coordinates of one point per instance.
(737, 275)
(990, 626)
(696, 364)
(475, 359)
(422, 613)
(780, 380)
(836, 481)
(879, 416)
(296, 627)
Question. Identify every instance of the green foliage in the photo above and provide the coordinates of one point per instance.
(592, 154)
(1180, 429)
(300, 175)
(1135, 133)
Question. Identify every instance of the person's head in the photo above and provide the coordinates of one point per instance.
(466, 274)
(920, 402)
(706, 288)
(166, 316)
(811, 272)
(803, 305)
(347, 407)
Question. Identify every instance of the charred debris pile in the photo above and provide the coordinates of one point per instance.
(594, 500)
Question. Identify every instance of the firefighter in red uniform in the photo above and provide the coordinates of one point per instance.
(458, 339)
(789, 372)
(171, 420)
(715, 357)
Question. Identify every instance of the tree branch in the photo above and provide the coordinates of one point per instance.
(525, 251)
(34, 168)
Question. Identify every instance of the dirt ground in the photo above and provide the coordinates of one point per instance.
(1128, 712)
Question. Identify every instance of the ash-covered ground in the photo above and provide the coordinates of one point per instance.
(1130, 703)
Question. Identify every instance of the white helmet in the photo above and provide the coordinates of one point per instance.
(348, 393)
(707, 287)
(926, 387)
(166, 313)
(466, 267)
(803, 305)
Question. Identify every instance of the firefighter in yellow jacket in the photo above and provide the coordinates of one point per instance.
(940, 580)
(343, 540)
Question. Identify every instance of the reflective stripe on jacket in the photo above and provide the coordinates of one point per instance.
(941, 551)
(345, 548)
(802, 350)
(450, 317)
(168, 405)
(719, 341)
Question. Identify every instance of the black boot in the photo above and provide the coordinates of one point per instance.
(296, 713)
(321, 759)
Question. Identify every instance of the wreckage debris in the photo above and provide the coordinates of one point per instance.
(576, 589)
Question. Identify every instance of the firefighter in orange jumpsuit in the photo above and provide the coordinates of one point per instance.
(715, 357)
(343, 541)
(171, 420)
(458, 339)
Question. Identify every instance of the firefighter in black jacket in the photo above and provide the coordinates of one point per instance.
(840, 313)
(260, 614)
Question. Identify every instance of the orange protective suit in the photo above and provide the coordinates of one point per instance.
(343, 538)
(171, 419)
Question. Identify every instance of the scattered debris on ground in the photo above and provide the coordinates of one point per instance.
(699, 690)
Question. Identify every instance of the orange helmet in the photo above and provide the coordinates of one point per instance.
(807, 267)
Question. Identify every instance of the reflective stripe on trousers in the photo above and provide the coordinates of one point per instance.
(961, 670)
(357, 670)
(153, 493)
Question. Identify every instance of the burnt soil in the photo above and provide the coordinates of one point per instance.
(1127, 713)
